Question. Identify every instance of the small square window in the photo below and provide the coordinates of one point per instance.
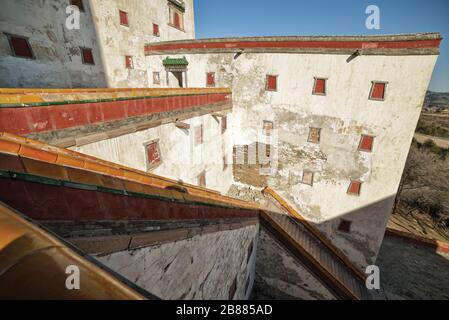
(78, 3)
(366, 143)
(210, 79)
(319, 88)
(199, 135)
(87, 56)
(314, 135)
(156, 78)
(20, 47)
(378, 91)
(202, 179)
(355, 188)
(267, 128)
(344, 226)
(129, 62)
(153, 154)
(271, 83)
(155, 30)
(224, 124)
(124, 18)
(232, 289)
(307, 177)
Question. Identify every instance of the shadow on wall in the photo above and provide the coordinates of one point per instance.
(47, 53)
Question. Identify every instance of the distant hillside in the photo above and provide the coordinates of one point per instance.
(437, 99)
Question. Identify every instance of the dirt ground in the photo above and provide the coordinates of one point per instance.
(412, 272)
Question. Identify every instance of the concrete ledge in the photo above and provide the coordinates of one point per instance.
(109, 244)
(437, 246)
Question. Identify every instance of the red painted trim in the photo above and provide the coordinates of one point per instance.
(438, 246)
(25, 120)
(48, 202)
(410, 44)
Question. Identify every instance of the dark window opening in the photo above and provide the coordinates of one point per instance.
(129, 62)
(87, 56)
(344, 226)
(78, 3)
(155, 30)
(20, 47)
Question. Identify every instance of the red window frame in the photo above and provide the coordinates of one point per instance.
(202, 179)
(20, 47)
(153, 154)
(87, 56)
(366, 143)
(271, 82)
(77, 3)
(355, 188)
(156, 30)
(320, 86)
(210, 79)
(378, 89)
(124, 18)
(129, 62)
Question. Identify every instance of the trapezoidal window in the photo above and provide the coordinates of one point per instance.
(202, 179)
(20, 47)
(210, 79)
(267, 128)
(77, 3)
(319, 87)
(156, 78)
(124, 18)
(344, 226)
(156, 30)
(129, 63)
(307, 177)
(366, 143)
(87, 56)
(314, 135)
(355, 188)
(153, 154)
(271, 83)
(176, 18)
(378, 91)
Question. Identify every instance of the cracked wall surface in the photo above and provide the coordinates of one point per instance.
(199, 268)
(343, 114)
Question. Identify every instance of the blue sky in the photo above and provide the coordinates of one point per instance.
(233, 18)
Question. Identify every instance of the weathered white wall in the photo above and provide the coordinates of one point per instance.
(118, 41)
(58, 61)
(343, 114)
(182, 158)
(200, 268)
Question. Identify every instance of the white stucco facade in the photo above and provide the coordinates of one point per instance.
(343, 115)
